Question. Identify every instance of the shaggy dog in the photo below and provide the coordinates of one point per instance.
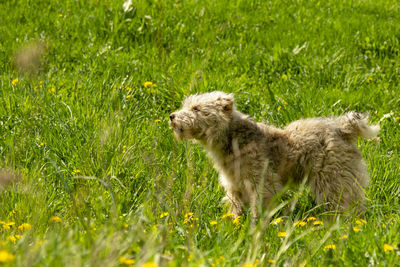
(256, 160)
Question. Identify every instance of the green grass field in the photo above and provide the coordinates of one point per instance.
(101, 180)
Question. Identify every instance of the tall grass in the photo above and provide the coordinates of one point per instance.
(91, 145)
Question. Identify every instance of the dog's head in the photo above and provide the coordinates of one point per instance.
(202, 115)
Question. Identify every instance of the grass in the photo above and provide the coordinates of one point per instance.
(103, 182)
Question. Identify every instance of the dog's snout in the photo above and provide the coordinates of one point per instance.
(172, 116)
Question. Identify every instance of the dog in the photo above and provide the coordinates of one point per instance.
(256, 160)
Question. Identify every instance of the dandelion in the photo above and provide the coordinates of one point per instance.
(344, 237)
(43, 143)
(331, 246)
(361, 222)
(271, 261)
(236, 220)
(226, 215)
(53, 90)
(356, 229)
(164, 214)
(18, 236)
(6, 256)
(60, 15)
(277, 221)
(157, 121)
(397, 118)
(128, 88)
(128, 96)
(13, 239)
(126, 261)
(55, 219)
(310, 219)
(24, 226)
(123, 149)
(76, 171)
(249, 265)
(7, 225)
(282, 234)
(150, 264)
(279, 108)
(149, 84)
(14, 82)
(213, 222)
(189, 218)
(299, 223)
(387, 248)
(318, 223)
(369, 79)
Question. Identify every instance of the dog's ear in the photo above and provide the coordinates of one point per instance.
(227, 103)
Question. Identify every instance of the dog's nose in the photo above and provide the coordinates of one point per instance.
(171, 117)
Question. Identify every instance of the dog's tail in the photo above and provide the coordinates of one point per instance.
(355, 124)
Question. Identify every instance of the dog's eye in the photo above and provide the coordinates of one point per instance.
(195, 108)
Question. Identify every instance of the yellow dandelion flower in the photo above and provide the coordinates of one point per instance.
(213, 222)
(188, 214)
(356, 229)
(299, 223)
(369, 79)
(387, 248)
(13, 239)
(344, 237)
(43, 143)
(60, 15)
(128, 96)
(226, 215)
(76, 171)
(397, 118)
(164, 214)
(279, 108)
(271, 261)
(249, 265)
(18, 236)
(53, 90)
(236, 220)
(330, 246)
(310, 219)
(157, 120)
(55, 219)
(318, 223)
(7, 225)
(6, 256)
(150, 264)
(361, 222)
(126, 261)
(128, 88)
(14, 82)
(24, 226)
(282, 234)
(149, 84)
(277, 221)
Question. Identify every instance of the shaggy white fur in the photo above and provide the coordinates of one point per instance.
(256, 160)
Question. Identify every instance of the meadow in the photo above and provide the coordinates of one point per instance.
(92, 176)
